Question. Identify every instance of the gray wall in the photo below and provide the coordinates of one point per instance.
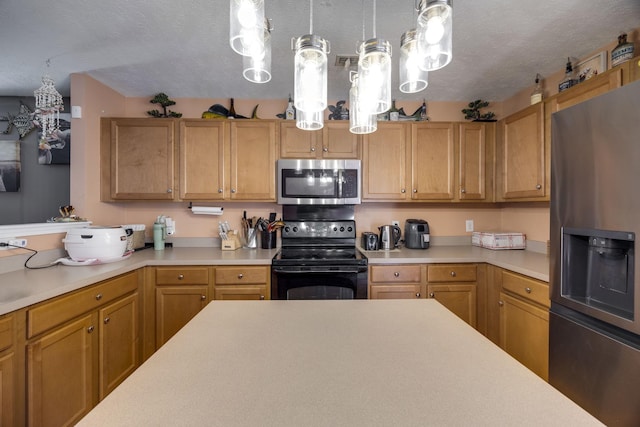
(43, 188)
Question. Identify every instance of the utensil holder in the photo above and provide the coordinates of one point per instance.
(250, 238)
(268, 239)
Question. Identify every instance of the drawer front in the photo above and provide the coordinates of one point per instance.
(395, 274)
(60, 310)
(452, 273)
(182, 276)
(525, 287)
(6, 332)
(241, 275)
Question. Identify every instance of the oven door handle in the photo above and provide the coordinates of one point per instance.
(343, 271)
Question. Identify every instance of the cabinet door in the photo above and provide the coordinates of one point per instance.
(175, 306)
(524, 333)
(396, 291)
(139, 155)
(385, 159)
(522, 172)
(602, 83)
(60, 374)
(7, 391)
(472, 147)
(432, 161)
(297, 143)
(119, 342)
(458, 298)
(253, 160)
(338, 142)
(240, 292)
(202, 159)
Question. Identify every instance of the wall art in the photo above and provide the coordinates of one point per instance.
(9, 166)
(56, 149)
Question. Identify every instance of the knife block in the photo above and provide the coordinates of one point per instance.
(232, 243)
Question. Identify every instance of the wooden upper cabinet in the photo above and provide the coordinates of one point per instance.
(432, 161)
(252, 155)
(385, 159)
(137, 159)
(334, 141)
(602, 83)
(474, 160)
(522, 156)
(202, 168)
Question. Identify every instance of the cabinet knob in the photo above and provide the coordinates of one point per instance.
(415, 190)
(403, 191)
(240, 276)
(432, 295)
(453, 274)
(313, 149)
(233, 190)
(203, 297)
(180, 276)
(396, 274)
(261, 297)
(463, 191)
(107, 320)
(90, 329)
(219, 190)
(527, 290)
(500, 303)
(538, 187)
(417, 294)
(98, 297)
(325, 149)
(169, 190)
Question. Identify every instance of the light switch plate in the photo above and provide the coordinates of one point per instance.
(76, 112)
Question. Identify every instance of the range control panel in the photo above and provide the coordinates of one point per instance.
(323, 229)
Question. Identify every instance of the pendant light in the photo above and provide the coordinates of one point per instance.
(48, 105)
(257, 67)
(360, 121)
(309, 120)
(435, 18)
(374, 73)
(412, 78)
(246, 34)
(310, 72)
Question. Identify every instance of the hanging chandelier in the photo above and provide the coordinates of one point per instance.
(48, 106)
(310, 77)
(435, 29)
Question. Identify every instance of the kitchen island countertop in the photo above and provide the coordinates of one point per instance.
(21, 288)
(333, 363)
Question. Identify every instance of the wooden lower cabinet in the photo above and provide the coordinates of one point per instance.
(399, 281)
(242, 283)
(454, 286)
(73, 361)
(11, 366)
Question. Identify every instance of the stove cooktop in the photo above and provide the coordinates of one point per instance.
(319, 256)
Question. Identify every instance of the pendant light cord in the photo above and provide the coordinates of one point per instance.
(310, 16)
(374, 19)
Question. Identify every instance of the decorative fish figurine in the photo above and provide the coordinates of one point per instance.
(23, 121)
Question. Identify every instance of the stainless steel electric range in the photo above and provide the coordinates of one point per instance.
(319, 258)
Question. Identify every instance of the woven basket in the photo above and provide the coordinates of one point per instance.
(136, 239)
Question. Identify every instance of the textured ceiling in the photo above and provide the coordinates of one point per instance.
(181, 47)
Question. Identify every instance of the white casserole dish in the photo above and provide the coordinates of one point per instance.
(103, 244)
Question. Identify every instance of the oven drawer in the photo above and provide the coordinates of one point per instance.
(182, 276)
(452, 273)
(396, 273)
(241, 275)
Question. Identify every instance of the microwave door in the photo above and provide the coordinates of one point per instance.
(340, 183)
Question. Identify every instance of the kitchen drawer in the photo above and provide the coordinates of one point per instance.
(452, 273)
(395, 273)
(241, 275)
(57, 311)
(182, 276)
(525, 287)
(6, 332)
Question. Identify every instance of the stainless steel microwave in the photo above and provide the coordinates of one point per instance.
(318, 182)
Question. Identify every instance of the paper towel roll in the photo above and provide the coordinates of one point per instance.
(206, 210)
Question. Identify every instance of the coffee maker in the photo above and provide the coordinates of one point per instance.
(416, 234)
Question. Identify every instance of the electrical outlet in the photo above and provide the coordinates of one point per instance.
(468, 225)
(396, 223)
(13, 242)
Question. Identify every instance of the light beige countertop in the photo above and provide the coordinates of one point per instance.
(333, 363)
(22, 287)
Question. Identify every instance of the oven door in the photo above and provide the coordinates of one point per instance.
(298, 283)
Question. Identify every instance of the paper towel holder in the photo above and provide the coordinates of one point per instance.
(191, 207)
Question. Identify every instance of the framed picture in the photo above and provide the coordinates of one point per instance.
(591, 66)
(9, 166)
(56, 150)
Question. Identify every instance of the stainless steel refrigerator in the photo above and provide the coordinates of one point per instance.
(594, 324)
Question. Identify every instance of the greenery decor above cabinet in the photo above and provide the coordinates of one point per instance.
(216, 159)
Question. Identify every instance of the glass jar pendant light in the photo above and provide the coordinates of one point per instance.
(257, 67)
(310, 120)
(412, 78)
(360, 122)
(435, 29)
(246, 34)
